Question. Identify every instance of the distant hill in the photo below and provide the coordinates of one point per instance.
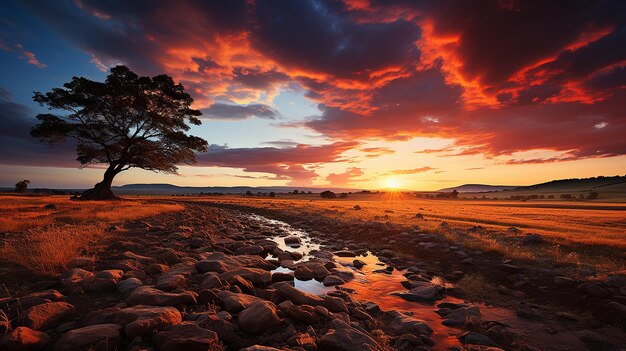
(170, 189)
(606, 188)
(576, 184)
(478, 188)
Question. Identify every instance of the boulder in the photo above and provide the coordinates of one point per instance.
(422, 291)
(146, 295)
(188, 337)
(257, 276)
(343, 337)
(169, 282)
(405, 324)
(128, 285)
(258, 317)
(24, 338)
(141, 320)
(287, 292)
(99, 337)
(233, 302)
(48, 315)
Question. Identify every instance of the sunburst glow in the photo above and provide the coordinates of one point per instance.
(392, 184)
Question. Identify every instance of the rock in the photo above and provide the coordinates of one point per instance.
(141, 320)
(47, 315)
(597, 291)
(530, 239)
(343, 337)
(345, 274)
(24, 338)
(333, 280)
(345, 253)
(472, 338)
(564, 282)
(157, 268)
(293, 240)
(99, 337)
(245, 286)
(298, 297)
(462, 316)
(146, 295)
(258, 317)
(282, 277)
(260, 348)
(188, 337)
(233, 302)
(422, 291)
(311, 270)
(334, 304)
(305, 313)
(618, 308)
(257, 276)
(128, 285)
(405, 324)
(73, 278)
(358, 264)
(169, 282)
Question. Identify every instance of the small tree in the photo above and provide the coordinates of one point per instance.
(295, 192)
(22, 186)
(328, 194)
(127, 121)
(272, 194)
(592, 195)
(249, 193)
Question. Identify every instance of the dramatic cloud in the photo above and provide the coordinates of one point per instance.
(19, 148)
(346, 178)
(239, 112)
(23, 54)
(283, 162)
(497, 77)
(411, 171)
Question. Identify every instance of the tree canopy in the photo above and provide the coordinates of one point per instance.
(127, 121)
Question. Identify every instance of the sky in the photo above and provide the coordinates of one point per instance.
(355, 93)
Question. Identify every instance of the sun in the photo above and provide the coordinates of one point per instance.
(392, 184)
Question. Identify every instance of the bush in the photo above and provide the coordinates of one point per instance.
(328, 194)
(22, 186)
(272, 194)
(343, 195)
(592, 195)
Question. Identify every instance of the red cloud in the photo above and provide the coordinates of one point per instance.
(345, 178)
(496, 76)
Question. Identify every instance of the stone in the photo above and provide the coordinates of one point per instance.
(343, 337)
(24, 338)
(258, 317)
(422, 291)
(405, 324)
(298, 297)
(260, 348)
(282, 277)
(169, 282)
(128, 285)
(233, 302)
(530, 239)
(156, 268)
(188, 337)
(99, 337)
(333, 280)
(140, 320)
(291, 240)
(345, 253)
(257, 276)
(472, 338)
(358, 264)
(73, 278)
(48, 315)
(146, 295)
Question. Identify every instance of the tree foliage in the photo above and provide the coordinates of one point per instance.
(22, 186)
(127, 121)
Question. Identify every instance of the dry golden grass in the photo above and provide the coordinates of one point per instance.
(46, 241)
(587, 233)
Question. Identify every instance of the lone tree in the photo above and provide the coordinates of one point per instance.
(127, 121)
(22, 186)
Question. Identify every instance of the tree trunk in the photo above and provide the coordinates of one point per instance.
(102, 190)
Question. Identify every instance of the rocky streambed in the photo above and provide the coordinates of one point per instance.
(213, 279)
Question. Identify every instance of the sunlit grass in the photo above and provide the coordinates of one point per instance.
(47, 240)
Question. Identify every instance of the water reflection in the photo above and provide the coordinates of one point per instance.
(370, 285)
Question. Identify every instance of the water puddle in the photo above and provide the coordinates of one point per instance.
(370, 285)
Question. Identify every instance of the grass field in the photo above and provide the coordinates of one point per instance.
(582, 233)
(45, 233)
